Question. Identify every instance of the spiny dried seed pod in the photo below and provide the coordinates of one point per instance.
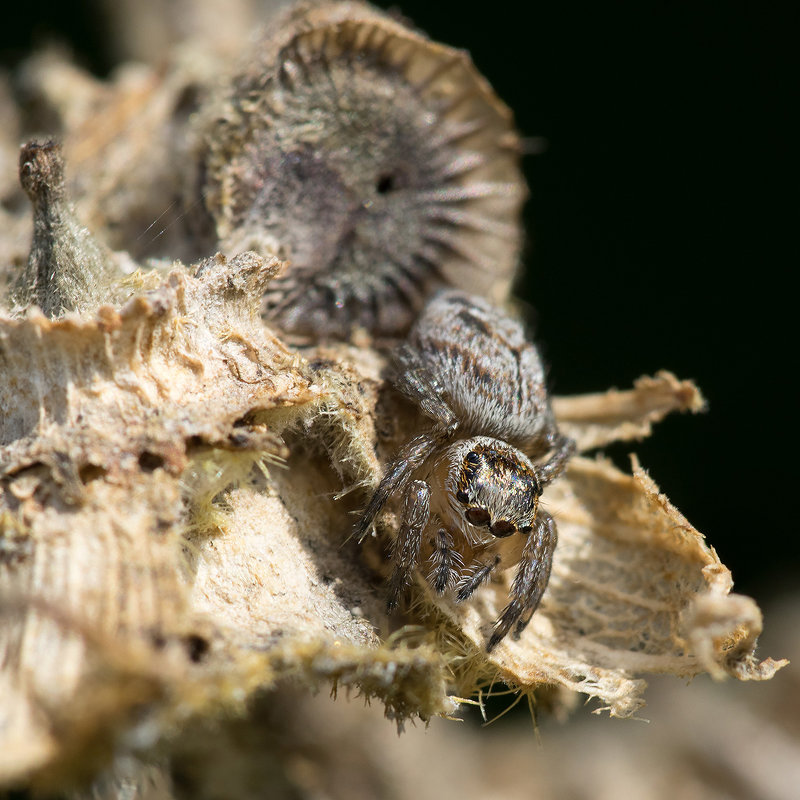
(381, 164)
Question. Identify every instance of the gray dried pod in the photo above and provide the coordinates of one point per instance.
(67, 269)
(381, 164)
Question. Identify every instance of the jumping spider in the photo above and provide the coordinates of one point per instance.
(469, 482)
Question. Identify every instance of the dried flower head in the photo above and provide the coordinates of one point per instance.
(378, 162)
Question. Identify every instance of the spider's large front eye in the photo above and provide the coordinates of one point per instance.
(477, 516)
(503, 528)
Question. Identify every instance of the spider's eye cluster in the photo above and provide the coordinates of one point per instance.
(485, 480)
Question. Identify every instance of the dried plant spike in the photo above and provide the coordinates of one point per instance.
(381, 161)
(595, 420)
(67, 269)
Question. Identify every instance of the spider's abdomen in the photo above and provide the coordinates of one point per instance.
(491, 376)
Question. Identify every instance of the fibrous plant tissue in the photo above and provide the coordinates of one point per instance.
(182, 457)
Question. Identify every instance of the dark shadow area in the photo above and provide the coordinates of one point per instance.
(80, 26)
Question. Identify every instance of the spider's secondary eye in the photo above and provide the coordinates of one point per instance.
(462, 497)
(503, 528)
(477, 516)
(473, 457)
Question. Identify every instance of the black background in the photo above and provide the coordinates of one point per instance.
(659, 226)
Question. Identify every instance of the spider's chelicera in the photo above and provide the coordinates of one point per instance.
(470, 484)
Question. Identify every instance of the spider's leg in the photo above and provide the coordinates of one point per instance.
(405, 553)
(415, 380)
(445, 560)
(397, 476)
(531, 579)
(479, 572)
(563, 447)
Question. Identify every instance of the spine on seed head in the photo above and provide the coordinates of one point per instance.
(67, 269)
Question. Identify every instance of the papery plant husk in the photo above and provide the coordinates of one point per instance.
(178, 486)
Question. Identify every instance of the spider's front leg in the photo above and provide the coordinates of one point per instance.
(405, 553)
(563, 448)
(415, 381)
(397, 475)
(531, 578)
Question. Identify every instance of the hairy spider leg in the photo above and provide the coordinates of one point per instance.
(415, 380)
(564, 448)
(410, 457)
(531, 579)
(418, 385)
(405, 553)
(445, 561)
(479, 573)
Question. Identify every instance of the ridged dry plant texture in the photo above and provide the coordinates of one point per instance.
(381, 164)
(177, 489)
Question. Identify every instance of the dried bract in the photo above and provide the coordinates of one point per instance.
(378, 162)
(117, 566)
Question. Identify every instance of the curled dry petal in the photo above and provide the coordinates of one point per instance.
(635, 589)
(595, 420)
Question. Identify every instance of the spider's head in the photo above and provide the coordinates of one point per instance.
(492, 485)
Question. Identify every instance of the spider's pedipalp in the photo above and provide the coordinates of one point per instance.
(476, 575)
(531, 579)
(446, 562)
